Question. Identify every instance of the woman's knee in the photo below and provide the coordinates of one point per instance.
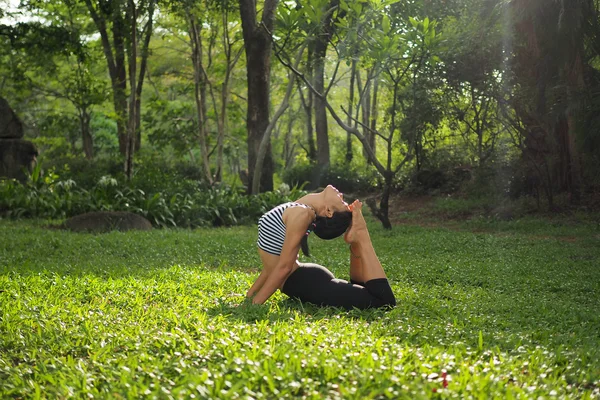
(389, 301)
(381, 289)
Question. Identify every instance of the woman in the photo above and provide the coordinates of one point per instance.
(283, 231)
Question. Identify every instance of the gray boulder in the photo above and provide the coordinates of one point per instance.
(10, 125)
(105, 221)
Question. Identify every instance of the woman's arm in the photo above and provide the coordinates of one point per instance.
(296, 223)
(258, 283)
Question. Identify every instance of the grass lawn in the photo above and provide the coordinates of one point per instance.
(512, 311)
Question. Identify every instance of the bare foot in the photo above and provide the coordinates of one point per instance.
(359, 225)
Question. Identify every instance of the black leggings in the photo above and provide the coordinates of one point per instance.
(315, 284)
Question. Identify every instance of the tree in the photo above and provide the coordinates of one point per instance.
(324, 13)
(317, 20)
(193, 14)
(57, 62)
(232, 52)
(257, 43)
(83, 90)
(121, 20)
(471, 69)
(400, 51)
(550, 80)
(264, 144)
(307, 106)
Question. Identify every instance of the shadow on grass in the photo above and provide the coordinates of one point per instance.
(289, 310)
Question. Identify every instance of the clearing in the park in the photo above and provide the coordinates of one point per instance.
(511, 311)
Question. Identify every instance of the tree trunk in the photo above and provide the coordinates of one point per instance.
(120, 81)
(320, 51)
(86, 136)
(143, 66)
(366, 110)
(349, 154)
(310, 132)
(260, 156)
(231, 61)
(381, 212)
(120, 105)
(319, 104)
(312, 148)
(564, 172)
(373, 123)
(221, 121)
(549, 187)
(115, 59)
(258, 109)
(257, 43)
(266, 139)
(576, 85)
(307, 105)
(288, 146)
(114, 52)
(195, 28)
(138, 122)
(384, 204)
(131, 125)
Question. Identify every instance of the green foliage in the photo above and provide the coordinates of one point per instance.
(58, 132)
(152, 173)
(87, 173)
(38, 38)
(104, 130)
(490, 181)
(155, 314)
(470, 89)
(345, 178)
(454, 207)
(48, 197)
(171, 123)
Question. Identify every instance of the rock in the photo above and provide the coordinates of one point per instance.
(105, 221)
(10, 125)
(16, 155)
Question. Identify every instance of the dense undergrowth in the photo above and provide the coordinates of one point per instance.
(182, 202)
(155, 314)
(174, 194)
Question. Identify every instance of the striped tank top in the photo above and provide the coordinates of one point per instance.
(271, 229)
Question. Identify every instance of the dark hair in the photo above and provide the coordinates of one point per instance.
(327, 228)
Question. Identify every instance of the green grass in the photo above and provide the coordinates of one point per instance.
(154, 314)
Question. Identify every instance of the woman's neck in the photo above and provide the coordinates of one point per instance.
(314, 201)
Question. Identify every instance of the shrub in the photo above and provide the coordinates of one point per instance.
(435, 181)
(49, 197)
(85, 172)
(346, 178)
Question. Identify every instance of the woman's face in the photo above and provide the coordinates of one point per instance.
(335, 199)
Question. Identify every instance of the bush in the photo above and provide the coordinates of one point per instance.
(490, 181)
(345, 178)
(451, 207)
(85, 172)
(437, 181)
(151, 174)
(49, 197)
(430, 179)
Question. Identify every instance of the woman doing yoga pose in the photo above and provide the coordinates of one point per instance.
(284, 230)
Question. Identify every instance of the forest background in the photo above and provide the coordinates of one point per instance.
(146, 105)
